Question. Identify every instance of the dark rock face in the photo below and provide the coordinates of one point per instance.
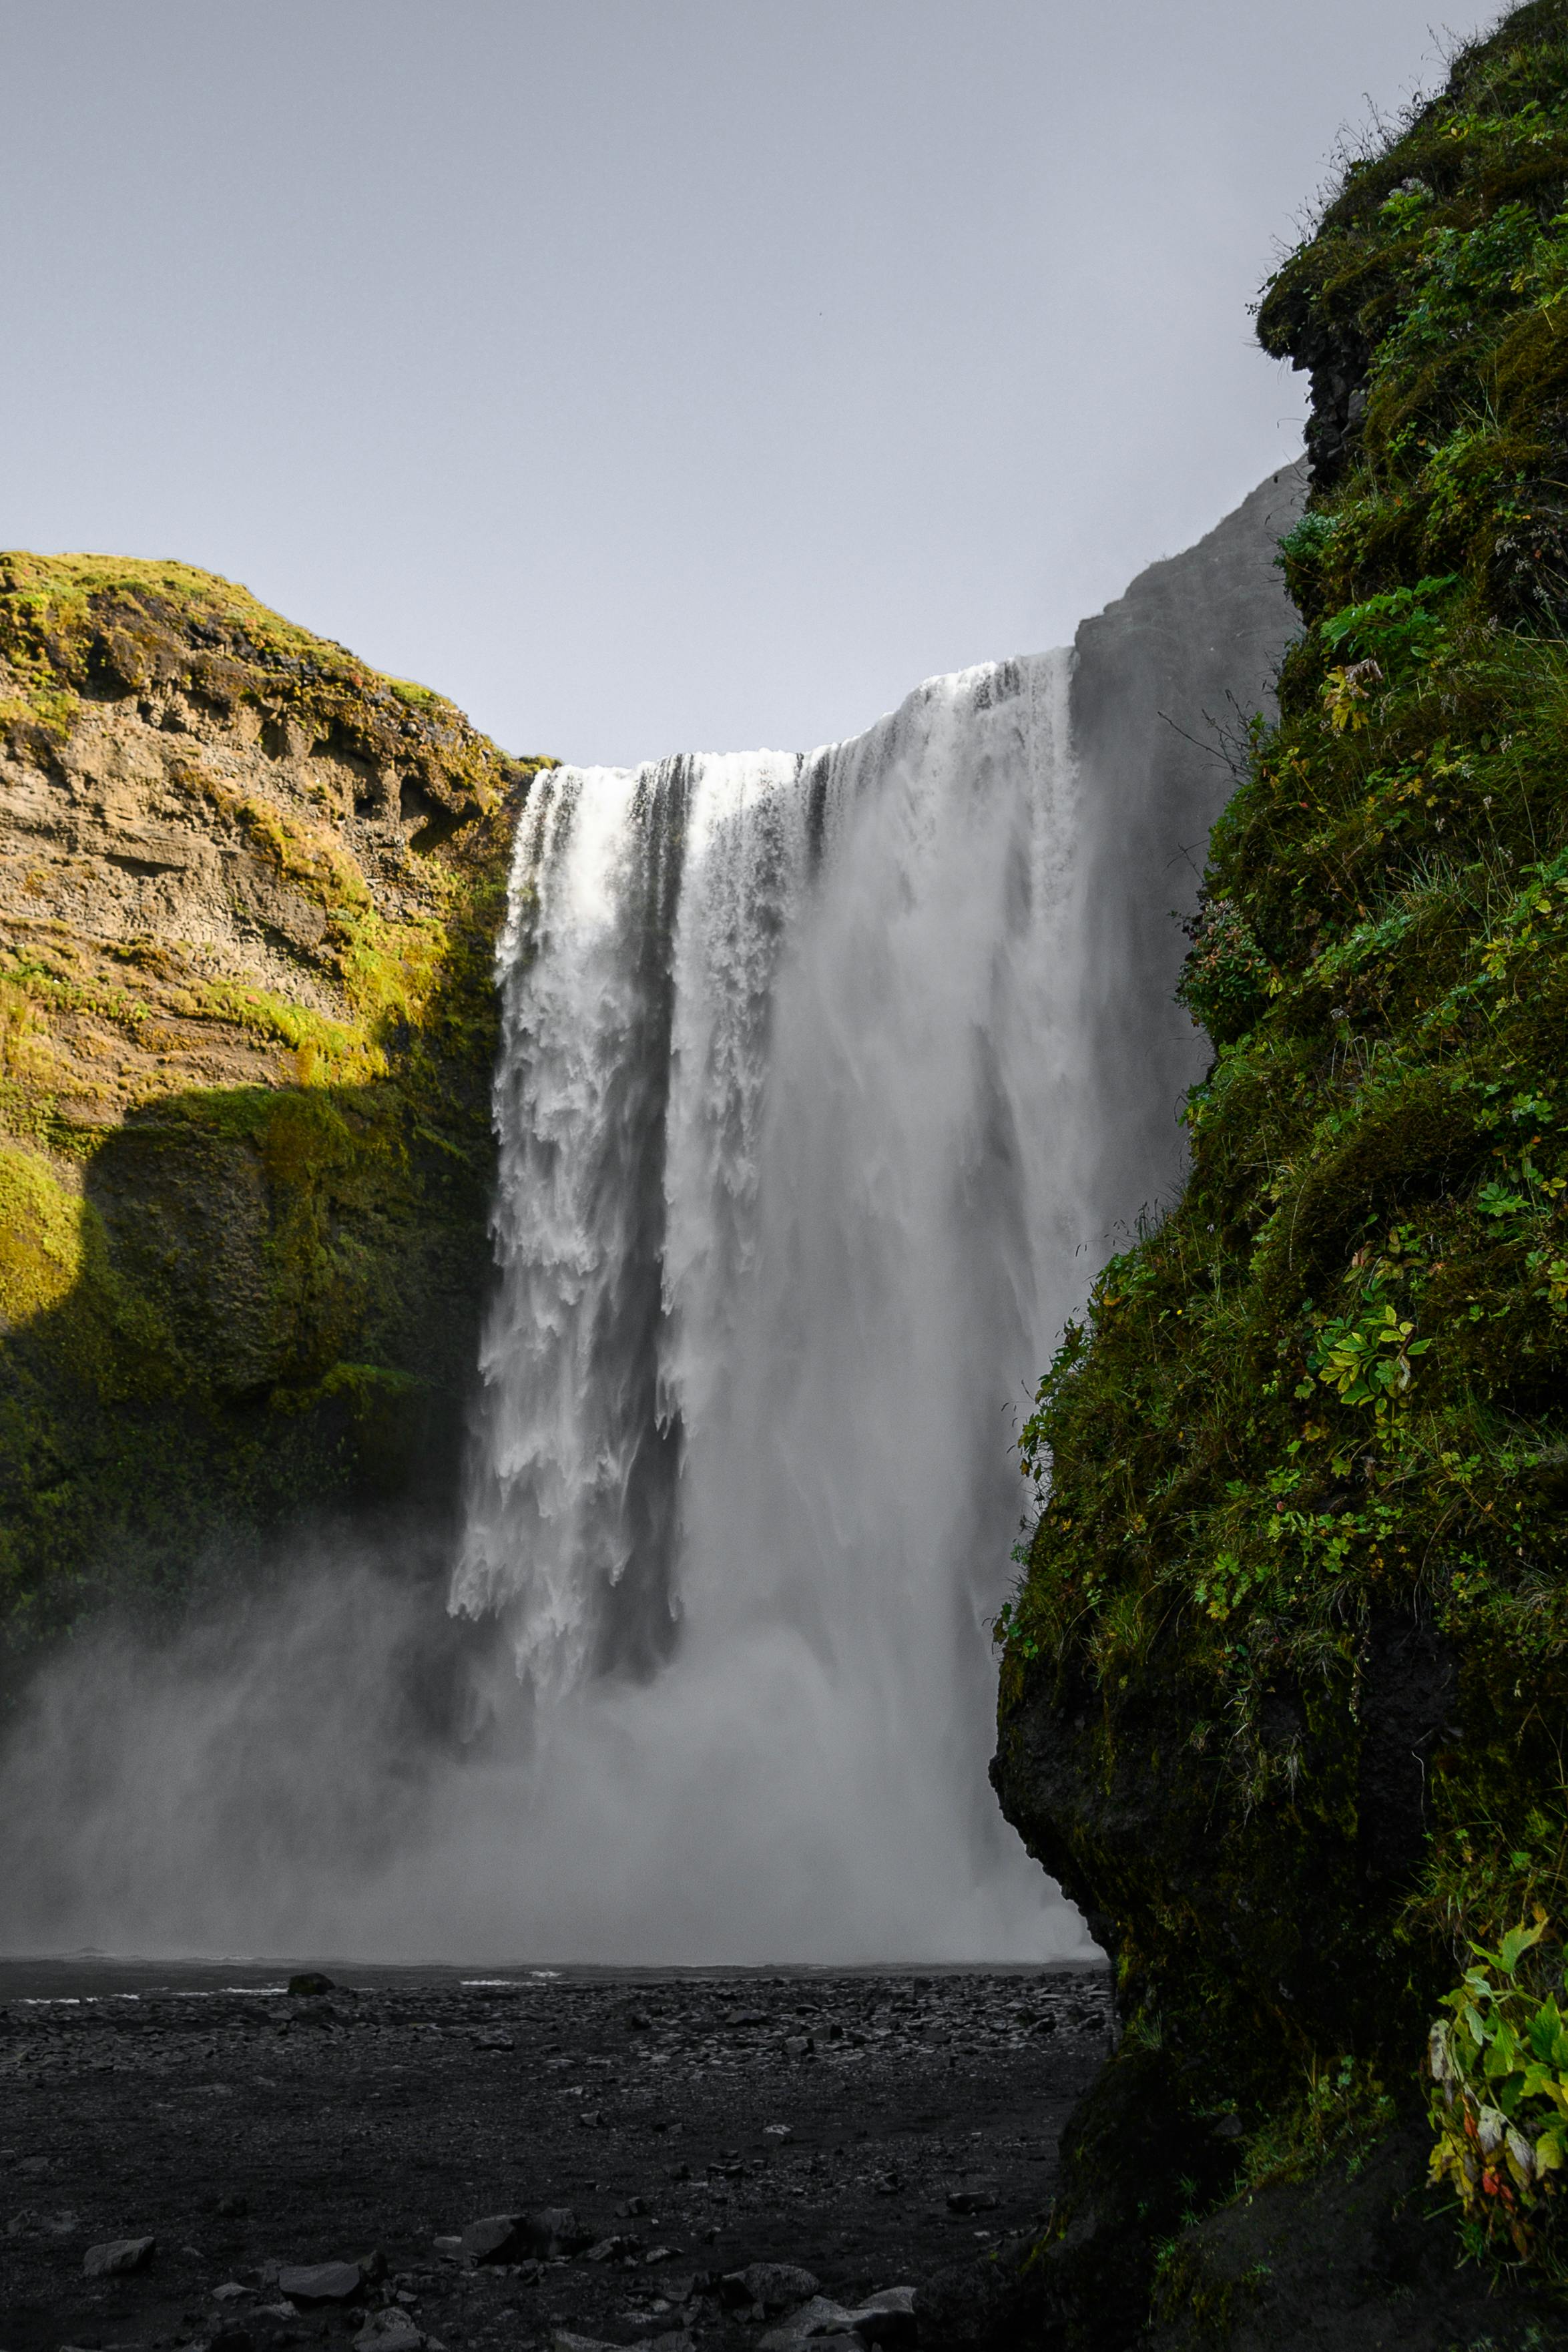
(1164, 683)
(1355, 2262)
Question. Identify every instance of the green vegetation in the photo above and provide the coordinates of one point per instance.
(1295, 1610)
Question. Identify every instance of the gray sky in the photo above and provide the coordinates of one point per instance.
(662, 374)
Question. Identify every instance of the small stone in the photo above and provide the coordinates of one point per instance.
(309, 1983)
(231, 2291)
(322, 2283)
(657, 2254)
(609, 2250)
(391, 2330)
(779, 2132)
(970, 2200)
(490, 2037)
(116, 2256)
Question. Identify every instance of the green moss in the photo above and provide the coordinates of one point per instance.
(40, 1239)
(1295, 1609)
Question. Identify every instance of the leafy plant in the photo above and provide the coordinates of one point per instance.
(1365, 1359)
(1394, 629)
(1499, 2065)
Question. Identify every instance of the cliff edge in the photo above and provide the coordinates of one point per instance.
(248, 894)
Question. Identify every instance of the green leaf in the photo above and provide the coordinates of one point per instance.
(1516, 1943)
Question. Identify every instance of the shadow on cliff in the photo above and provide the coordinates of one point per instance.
(262, 1311)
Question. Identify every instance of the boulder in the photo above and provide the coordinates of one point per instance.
(322, 2283)
(540, 2236)
(818, 2317)
(389, 2331)
(117, 2255)
(886, 2318)
(769, 2287)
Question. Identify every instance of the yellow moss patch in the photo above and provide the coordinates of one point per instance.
(40, 1238)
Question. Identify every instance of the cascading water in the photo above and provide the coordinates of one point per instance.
(795, 1114)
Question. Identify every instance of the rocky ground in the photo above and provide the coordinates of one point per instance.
(866, 2130)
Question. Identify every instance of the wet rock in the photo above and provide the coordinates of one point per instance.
(116, 2256)
(321, 2282)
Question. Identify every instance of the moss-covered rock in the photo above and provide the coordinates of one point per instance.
(1283, 1687)
(249, 891)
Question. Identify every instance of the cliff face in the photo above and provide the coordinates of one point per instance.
(248, 892)
(1282, 1690)
(1165, 682)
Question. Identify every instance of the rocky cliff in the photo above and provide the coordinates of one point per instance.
(1165, 683)
(1283, 1685)
(248, 892)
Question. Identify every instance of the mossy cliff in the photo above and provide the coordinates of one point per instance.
(248, 896)
(1285, 1686)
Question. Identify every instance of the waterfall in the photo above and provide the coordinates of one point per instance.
(796, 1126)
(825, 1086)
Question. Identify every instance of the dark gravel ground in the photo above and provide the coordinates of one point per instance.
(247, 2129)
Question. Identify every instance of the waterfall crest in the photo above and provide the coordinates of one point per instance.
(793, 1112)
